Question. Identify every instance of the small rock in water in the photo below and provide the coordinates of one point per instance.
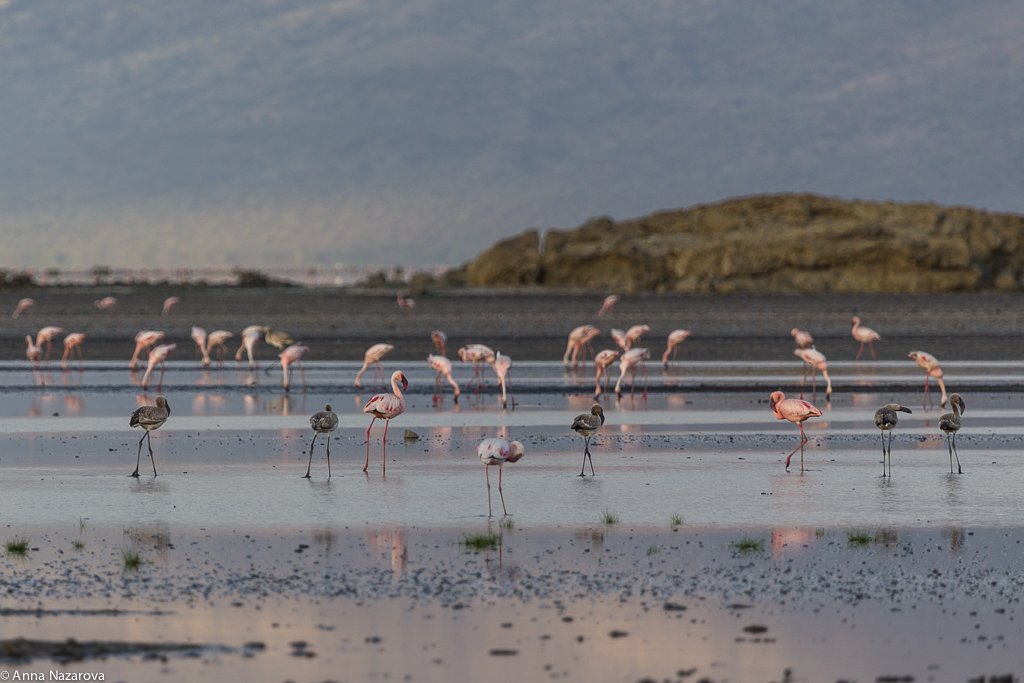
(411, 435)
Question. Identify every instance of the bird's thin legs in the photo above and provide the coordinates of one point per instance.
(487, 475)
(328, 455)
(303, 373)
(924, 406)
(503, 508)
(871, 345)
(149, 444)
(367, 466)
(952, 440)
(384, 459)
(799, 447)
(859, 352)
(139, 458)
(882, 434)
(586, 452)
(310, 465)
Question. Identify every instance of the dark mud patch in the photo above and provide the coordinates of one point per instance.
(70, 650)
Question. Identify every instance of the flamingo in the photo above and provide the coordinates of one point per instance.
(930, 364)
(815, 360)
(675, 338)
(443, 366)
(885, 419)
(586, 425)
(256, 330)
(602, 361)
(199, 337)
(865, 335)
(386, 407)
(169, 304)
(634, 333)
(144, 340)
(46, 335)
(797, 411)
(803, 339)
(218, 338)
(608, 305)
(497, 452)
(578, 339)
(440, 339)
(157, 355)
(323, 422)
(34, 352)
(24, 305)
(502, 367)
(405, 303)
(72, 343)
(619, 337)
(292, 354)
(476, 354)
(149, 418)
(950, 424)
(107, 303)
(279, 340)
(630, 361)
(373, 355)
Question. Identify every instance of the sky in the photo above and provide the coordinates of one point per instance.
(268, 133)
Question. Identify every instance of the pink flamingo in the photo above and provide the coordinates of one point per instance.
(602, 361)
(250, 337)
(292, 354)
(630, 361)
(386, 407)
(72, 343)
(865, 335)
(24, 305)
(619, 337)
(157, 355)
(373, 355)
(476, 354)
(815, 361)
(144, 340)
(930, 364)
(169, 304)
(579, 338)
(218, 338)
(405, 303)
(502, 367)
(797, 411)
(46, 335)
(107, 303)
(443, 366)
(199, 337)
(440, 339)
(675, 338)
(34, 352)
(497, 452)
(803, 339)
(608, 305)
(634, 333)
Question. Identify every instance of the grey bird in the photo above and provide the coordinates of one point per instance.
(149, 418)
(586, 425)
(279, 340)
(950, 425)
(885, 419)
(323, 422)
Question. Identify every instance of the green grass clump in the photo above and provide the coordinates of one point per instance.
(859, 537)
(748, 544)
(486, 541)
(131, 559)
(676, 520)
(608, 517)
(653, 550)
(18, 545)
(78, 545)
(508, 524)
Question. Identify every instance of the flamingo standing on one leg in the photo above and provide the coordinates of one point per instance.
(323, 422)
(930, 364)
(34, 352)
(885, 419)
(950, 424)
(386, 407)
(373, 355)
(144, 340)
(199, 337)
(405, 303)
(218, 338)
(72, 343)
(476, 354)
(865, 335)
(815, 360)
(149, 418)
(502, 367)
(443, 366)
(586, 425)
(292, 354)
(46, 335)
(602, 361)
(608, 305)
(803, 339)
(169, 304)
(157, 355)
(630, 361)
(497, 452)
(24, 305)
(675, 338)
(579, 339)
(440, 339)
(797, 411)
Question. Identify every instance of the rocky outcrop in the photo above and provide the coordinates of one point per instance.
(798, 243)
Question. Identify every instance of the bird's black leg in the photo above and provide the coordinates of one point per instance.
(950, 448)
(959, 470)
(310, 465)
(586, 452)
(139, 458)
(328, 455)
(149, 444)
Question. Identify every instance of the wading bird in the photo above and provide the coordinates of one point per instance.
(885, 419)
(608, 305)
(24, 306)
(630, 361)
(675, 338)
(815, 361)
(797, 411)
(586, 425)
(34, 352)
(46, 335)
(865, 335)
(218, 338)
(602, 361)
(930, 365)
(386, 407)
(144, 340)
(440, 339)
(950, 425)
(149, 418)
(107, 303)
(157, 355)
(443, 366)
(279, 340)
(634, 334)
(619, 337)
(72, 343)
(169, 304)
(405, 303)
(373, 355)
(497, 452)
(323, 422)
(292, 354)
(250, 338)
(803, 339)
(579, 340)
(199, 337)
(477, 354)
(502, 368)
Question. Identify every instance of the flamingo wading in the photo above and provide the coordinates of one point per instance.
(797, 411)
(323, 422)
(885, 419)
(865, 335)
(386, 407)
(149, 418)
(586, 425)
(930, 365)
(950, 424)
(497, 452)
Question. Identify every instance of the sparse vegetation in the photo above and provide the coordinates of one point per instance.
(18, 545)
(748, 544)
(486, 541)
(131, 559)
(860, 537)
(78, 545)
(508, 524)
(653, 550)
(676, 520)
(609, 518)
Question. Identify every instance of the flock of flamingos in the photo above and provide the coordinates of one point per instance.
(492, 451)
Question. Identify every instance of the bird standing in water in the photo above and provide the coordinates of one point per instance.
(149, 418)
(794, 410)
(323, 422)
(497, 452)
(885, 419)
(385, 406)
(586, 425)
(950, 425)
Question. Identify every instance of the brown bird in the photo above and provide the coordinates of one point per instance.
(885, 419)
(950, 425)
(586, 425)
(149, 418)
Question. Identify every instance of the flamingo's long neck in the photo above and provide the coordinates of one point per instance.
(395, 388)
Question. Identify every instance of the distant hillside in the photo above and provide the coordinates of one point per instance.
(771, 243)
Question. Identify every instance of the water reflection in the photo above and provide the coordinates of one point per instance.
(391, 541)
(790, 539)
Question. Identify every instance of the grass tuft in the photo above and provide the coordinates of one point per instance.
(676, 520)
(653, 550)
(860, 537)
(508, 524)
(608, 517)
(18, 545)
(131, 559)
(486, 541)
(78, 545)
(748, 544)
